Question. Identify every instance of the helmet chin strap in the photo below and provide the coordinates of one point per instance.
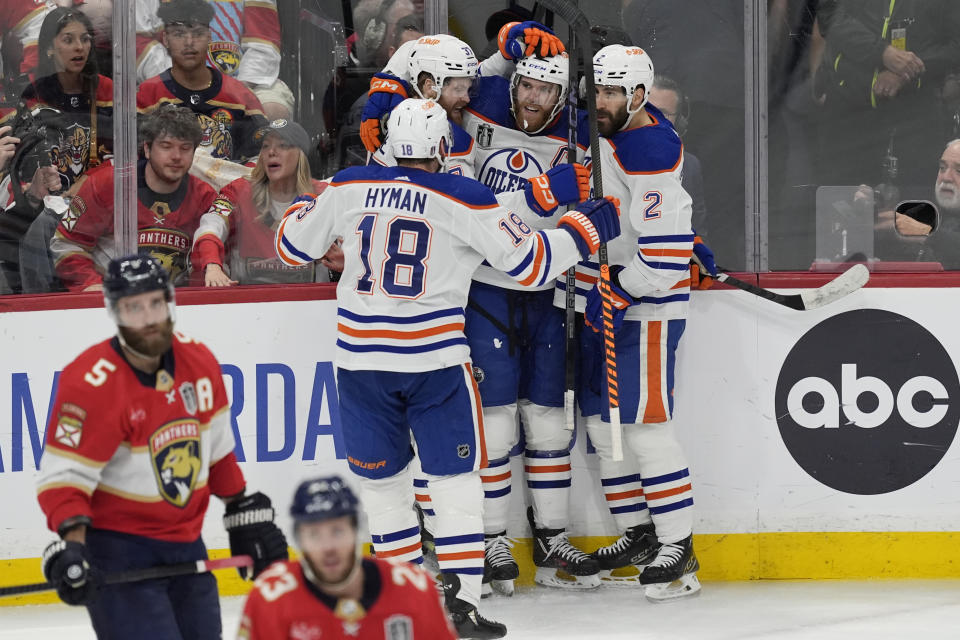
(127, 346)
(334, 586)
(633, 112)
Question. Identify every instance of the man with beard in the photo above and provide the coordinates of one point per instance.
(331, 592)
(945, 240)
(227, 110)
(648, 493)
(139, 438)
(169, 205)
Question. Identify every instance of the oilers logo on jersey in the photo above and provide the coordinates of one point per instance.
(175, 452)
(509, 170)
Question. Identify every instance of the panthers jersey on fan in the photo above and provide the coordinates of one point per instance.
(229, 114)
(411, 241)
(145, 466)
(83, 244)
(506, 158)
(399, 602)
(645, 167)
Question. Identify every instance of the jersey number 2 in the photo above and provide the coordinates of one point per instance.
(405, 256)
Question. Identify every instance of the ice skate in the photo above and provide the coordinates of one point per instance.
(466, 619)
(552, 552)
(636, 547)
(499, 567)
(673, 573)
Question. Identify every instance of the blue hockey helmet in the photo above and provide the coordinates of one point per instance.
(323, 499)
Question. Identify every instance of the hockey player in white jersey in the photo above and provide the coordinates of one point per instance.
(649, 492)
(517, 337)
(412, 239)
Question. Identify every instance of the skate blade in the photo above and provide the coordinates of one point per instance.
(485, 590)
(503, 587)
(559, 579)
(620, 578)
(686, 586)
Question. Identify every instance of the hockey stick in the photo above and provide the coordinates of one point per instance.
(573, 16)
(843, 285)
(570, 299)
(150, 573)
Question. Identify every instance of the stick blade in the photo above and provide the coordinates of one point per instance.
(843, 285)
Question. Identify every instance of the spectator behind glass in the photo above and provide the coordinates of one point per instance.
(67, 82)
(879, 81)
(169, 205)
(245, 44)
(234, 243)
(667, 96)
(228, 112)
(381, 27)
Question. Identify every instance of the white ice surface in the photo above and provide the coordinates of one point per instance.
(808, 610)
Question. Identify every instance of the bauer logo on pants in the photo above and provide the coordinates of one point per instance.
(868, 402)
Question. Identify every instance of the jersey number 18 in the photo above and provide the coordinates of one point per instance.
(404, 262)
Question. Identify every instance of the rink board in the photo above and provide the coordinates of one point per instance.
(759, 513)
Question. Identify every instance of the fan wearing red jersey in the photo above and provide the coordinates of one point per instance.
(331, 592)
(139, 438)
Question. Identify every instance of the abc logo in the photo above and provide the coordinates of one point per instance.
(868, 402)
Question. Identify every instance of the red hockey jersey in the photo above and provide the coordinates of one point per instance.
(400, 602)
(139, 453)
(229, 113)
(232, 234)
(83, 244)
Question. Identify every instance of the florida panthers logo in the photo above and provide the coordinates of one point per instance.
(225, 56)
(71, 154)
(508, 170)
(216, 133)
(175, 452)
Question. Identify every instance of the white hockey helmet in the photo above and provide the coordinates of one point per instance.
(627, 67)
(555, 69)
(419, 129)
(442, 56)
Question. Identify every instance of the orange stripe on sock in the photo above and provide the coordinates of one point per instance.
(422, 497)
(633, 493)
(666, 493)
(673, 253)
(461, 555)
(556, 468)
(392, 553)
(654, 411)
(399, 335)
(497, 478)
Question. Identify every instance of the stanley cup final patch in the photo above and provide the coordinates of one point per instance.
(189, 396)
(484, 135)
(175, 454)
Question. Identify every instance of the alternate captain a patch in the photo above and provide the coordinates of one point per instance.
(175, 453)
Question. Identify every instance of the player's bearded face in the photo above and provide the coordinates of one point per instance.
(144, 322)
(611, 109)
(534, 101)
(454, 97)
(330, 547)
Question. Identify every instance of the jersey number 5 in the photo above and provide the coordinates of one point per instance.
(404, 264)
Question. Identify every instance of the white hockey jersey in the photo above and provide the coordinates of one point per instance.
(459, 162)
(642, 167)
(506, 157)
(411, 241)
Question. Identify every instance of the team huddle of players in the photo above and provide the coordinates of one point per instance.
(450, 345)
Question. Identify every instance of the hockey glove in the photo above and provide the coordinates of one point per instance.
(593, 314)
(386, 92)
(566, 184)
(592, 223)
(521, 39)
(249, 523)
(68, 567)
(702, 267)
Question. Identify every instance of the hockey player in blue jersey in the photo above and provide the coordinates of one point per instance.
(412, 239)
(649, 492)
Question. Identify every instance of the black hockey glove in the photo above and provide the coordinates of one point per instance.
(249, 523)
(68, 567)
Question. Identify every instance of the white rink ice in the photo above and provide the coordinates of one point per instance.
(802, 610)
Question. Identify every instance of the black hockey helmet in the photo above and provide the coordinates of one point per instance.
(323, 499)
(132, 275)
